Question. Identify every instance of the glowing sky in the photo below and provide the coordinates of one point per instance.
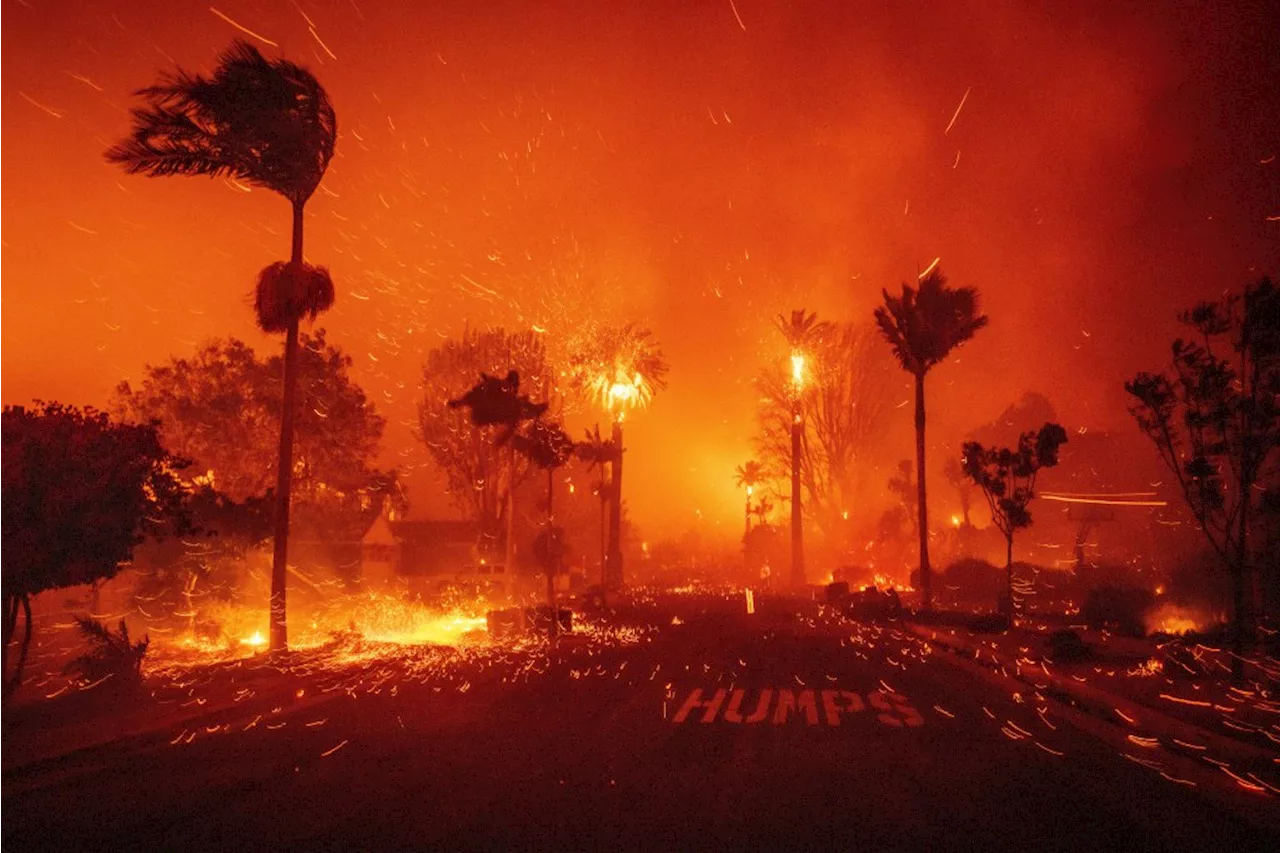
(699, 166)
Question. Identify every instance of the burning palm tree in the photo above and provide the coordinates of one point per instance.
(923, 326)
(621, 368)
(748, 476)
(268, 123)
(802, 332)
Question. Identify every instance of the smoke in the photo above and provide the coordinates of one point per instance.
(1105, 170)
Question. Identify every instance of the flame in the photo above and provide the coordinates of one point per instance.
(797, 369)
(1173, 619)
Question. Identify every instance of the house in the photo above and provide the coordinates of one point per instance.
(398, 550)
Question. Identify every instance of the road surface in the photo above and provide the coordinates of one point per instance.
(705, 728)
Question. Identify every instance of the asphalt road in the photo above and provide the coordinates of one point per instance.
(807, 735)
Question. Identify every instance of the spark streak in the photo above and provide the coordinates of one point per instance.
(957, 112)
(736, 15)
(50, 110)
(244, 29)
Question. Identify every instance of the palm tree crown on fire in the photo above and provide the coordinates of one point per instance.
(923, 326)
(268, 123)
(620, 368)
(803, 333)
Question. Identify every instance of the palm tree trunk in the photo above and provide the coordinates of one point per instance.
(551, 553)
(926, 582)
(509, 554)
(1008, 570)
(11, 623)
(613, 576)
(604, 509)
(279, 640)
(26, 638)
(1241, 618)
(797, 515)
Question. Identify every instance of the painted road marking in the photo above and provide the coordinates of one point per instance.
(893, 709)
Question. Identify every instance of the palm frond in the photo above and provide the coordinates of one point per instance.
(802, 330)
(924, 325)
(287, 292)
(266, 122)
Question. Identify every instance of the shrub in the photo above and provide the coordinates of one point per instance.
(111, 653)
(1066, 646)
(989, 623)
(1122, 609)
(971, 582)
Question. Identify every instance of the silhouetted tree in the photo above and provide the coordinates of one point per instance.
(747, 476)
(549, 447)
(620, 368)
(219, 408)
(1216, 425)
(598, 452)
(498, 402)
(173, 571)
(845, 410)
(112, 654)
(268, 123)
(479, 474)
(802, 332)
(1007, 477)
(903, 486)
(79, 493)
(923, 326)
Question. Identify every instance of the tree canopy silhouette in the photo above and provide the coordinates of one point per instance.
(79, 493)
(1007, 477)
(268, 123)
(220, 407)
(477, 476)
(845, 410)
(923, 326)
(1216, 425)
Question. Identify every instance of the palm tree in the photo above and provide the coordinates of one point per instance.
(748, 476)
(268, 123)
(549, 447)
(923, 326)
(802, 332)
(599, 451)
(622, 367)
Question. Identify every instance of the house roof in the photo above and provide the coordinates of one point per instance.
(426, 532)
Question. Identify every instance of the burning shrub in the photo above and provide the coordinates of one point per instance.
(111, 653)
(1119, 608)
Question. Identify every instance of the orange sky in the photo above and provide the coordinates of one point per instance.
(667, 163)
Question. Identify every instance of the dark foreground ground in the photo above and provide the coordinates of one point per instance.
(580, 748)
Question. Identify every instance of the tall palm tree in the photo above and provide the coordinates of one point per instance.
(597, 450)
(549, 447)
(923, 326)
(268, 123)
(622, 367)
(748, 476)
(802, 332)
(802, 329)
